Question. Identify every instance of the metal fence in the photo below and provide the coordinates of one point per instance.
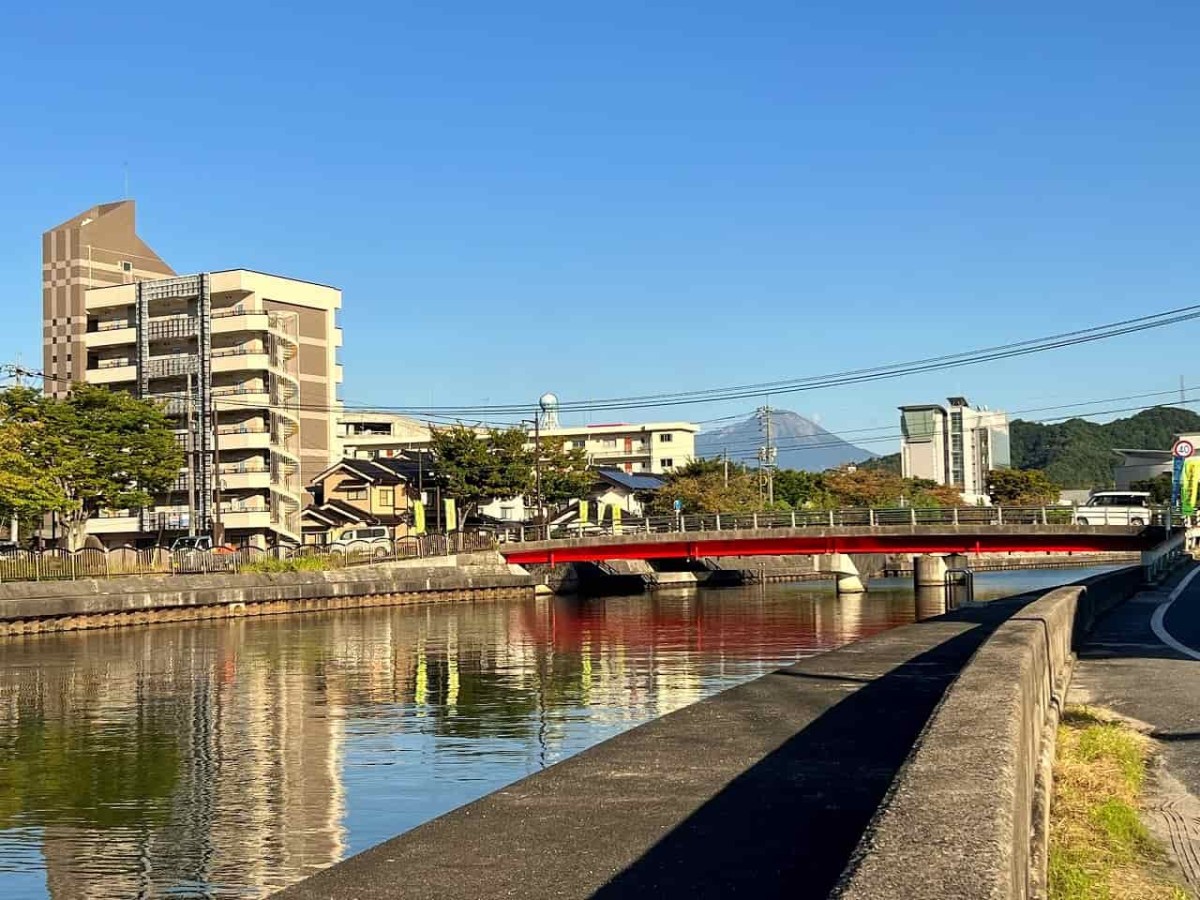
(965, 516)
(60, 565)
(65, 565)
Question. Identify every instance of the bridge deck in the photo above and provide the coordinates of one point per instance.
(814, 540)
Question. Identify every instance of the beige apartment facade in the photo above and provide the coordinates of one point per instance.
(655, 448)
(244, 362)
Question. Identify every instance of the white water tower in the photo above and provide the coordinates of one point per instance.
(548, 404)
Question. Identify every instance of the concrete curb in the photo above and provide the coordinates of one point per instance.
(961, 819)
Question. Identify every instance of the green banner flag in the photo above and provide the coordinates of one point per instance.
(451, 516)
(418, 517)
(583, 512)
(1189, 486)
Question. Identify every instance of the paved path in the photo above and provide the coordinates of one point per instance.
(1143, 661)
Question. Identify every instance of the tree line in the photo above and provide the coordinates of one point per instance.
(712, 486)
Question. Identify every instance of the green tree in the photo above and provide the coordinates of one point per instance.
(1021, 487)
(701, 487)
(104, 449)
(565, 474)
(802, 489)
(1159, 487)
(478, 468)
(27, 489)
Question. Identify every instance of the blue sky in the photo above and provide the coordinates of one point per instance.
(640, 197)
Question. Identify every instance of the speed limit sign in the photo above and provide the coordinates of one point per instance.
(1183, 449)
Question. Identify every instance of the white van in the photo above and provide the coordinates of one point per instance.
(373, 540)
(1115, 508)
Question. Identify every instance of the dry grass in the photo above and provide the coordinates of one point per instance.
(1099, 847)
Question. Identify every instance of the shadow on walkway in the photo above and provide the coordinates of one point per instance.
(789, 824)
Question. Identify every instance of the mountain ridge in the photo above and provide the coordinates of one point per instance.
(801, 443)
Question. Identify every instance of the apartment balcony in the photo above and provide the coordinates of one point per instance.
(258, 518)
(172, 366)
(609, 453)
(236, 359)
(172, 328)
(235, 321)
(111, 298)
(126, 523)
(125, 335)
(112, 372)
(249, 479)
(237, 399)
(237, 437)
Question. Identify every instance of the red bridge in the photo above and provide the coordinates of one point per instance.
(967, 531)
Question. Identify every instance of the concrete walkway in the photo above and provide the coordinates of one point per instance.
(761, 791)
(1143, 662)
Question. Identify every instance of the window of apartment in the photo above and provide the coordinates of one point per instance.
(126, 266)
(387, 496)
(609, 443)
(666, 438)
(668, 463)
(356, 493)
(578, 445)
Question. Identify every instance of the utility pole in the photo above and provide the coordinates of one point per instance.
(191, 458)
(537, 463)
(218, 527)
(726, 454)
(766, 453)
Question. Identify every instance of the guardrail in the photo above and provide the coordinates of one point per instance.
(964, 517)
(65, 565)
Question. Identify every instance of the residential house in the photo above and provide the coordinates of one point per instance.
(355, 493)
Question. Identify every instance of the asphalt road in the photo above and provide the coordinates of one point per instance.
(1143, 661)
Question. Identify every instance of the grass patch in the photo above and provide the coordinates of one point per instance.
(269, 564)
(1099, 847)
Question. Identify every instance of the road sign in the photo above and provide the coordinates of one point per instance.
(1183, 449)
(678, 504)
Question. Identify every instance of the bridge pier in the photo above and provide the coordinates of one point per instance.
(929, 571)
(848, 579)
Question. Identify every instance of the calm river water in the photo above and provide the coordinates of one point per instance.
(228, 759)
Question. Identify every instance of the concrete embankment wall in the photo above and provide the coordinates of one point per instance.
(30, 607)
(966, 815)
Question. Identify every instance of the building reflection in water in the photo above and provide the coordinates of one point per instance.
(228, 759)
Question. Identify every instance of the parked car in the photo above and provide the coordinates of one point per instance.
(373, 540)
(1115, 508)
(201, 542)
(197, 553)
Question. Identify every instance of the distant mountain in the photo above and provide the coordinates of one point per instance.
(800, 442)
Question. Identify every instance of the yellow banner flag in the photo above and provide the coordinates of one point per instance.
(418, 517)
(451, 516)
(583, 512)
(616, 511)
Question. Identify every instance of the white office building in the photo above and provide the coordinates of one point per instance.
(956, 444)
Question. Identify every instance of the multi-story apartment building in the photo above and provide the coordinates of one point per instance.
(653, 447)
(246, 365)
(957, 446)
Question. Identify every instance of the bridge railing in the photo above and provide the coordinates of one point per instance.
(967, 516)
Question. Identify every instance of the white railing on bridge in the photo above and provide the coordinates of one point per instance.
(957, 517)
